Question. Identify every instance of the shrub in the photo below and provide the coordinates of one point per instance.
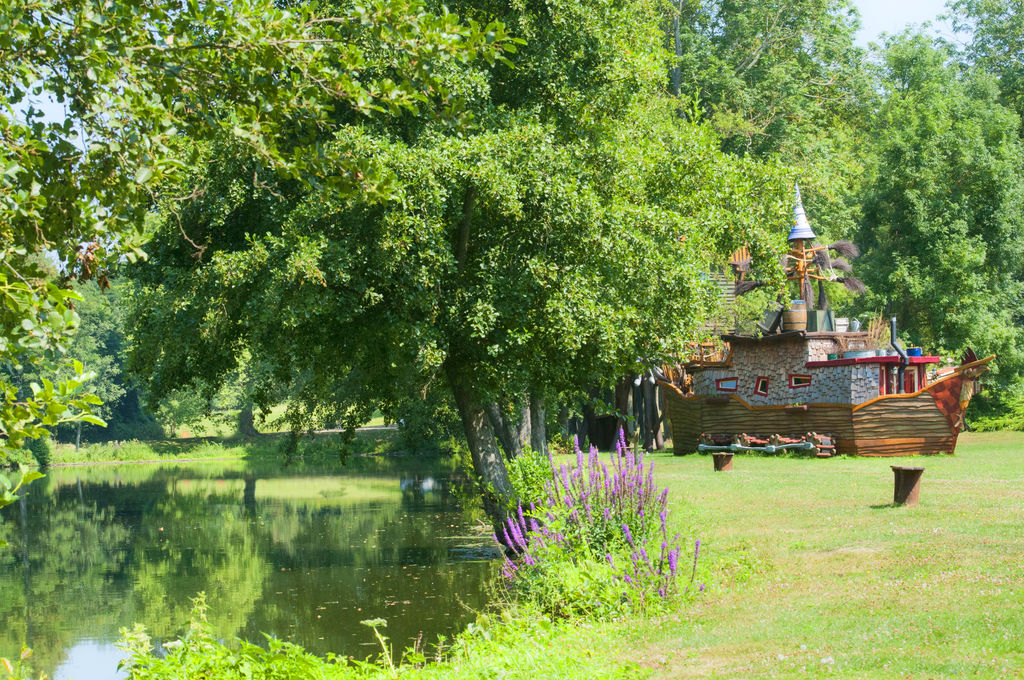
(42, 450)
(530, 476)
(598, 544)
(1005, 412)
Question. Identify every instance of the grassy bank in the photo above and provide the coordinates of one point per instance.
(810, 572)
(326, 444)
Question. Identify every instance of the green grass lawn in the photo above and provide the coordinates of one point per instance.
(844, 583)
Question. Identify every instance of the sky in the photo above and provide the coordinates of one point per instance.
(892, 16)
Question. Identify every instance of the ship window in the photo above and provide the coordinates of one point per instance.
(726, 384)
(761, 386)
(797, 381)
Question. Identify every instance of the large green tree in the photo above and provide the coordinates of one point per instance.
(781, 79)
(944, 216)
(995, 33)
(135, 79)
(559, 242)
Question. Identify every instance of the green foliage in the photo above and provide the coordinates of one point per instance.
(530, 475)
(137, 79)
(944, 216)
(100, 345)
(21, 668)
(514, 644)
(9, 489)
(199, 654)
(598, 545)
(784, 80)
(1006, 414)
(525, 253)
(568, 584)
(426, 420)
(772, 74)
(42, 450)
(995, 29)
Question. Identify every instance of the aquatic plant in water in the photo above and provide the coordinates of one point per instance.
(603, 517)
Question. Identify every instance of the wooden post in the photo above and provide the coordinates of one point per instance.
(906, 484)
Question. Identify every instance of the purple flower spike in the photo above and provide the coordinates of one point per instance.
(586, 498)
(701, 587)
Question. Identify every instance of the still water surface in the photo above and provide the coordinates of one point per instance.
(303, 552)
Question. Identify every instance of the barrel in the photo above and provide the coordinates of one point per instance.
(795, 316)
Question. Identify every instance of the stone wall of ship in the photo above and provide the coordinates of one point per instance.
(778, 368)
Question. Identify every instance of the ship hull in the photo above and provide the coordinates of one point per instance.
(925, 422)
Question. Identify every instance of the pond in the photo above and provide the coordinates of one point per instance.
(303, 552)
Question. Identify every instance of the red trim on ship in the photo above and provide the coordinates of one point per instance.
(798, 381)
(723, 384)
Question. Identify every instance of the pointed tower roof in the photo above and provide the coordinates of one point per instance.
(801, 227)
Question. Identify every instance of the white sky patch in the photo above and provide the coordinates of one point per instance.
(892, 16)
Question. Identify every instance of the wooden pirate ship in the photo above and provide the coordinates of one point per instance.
(823, 390)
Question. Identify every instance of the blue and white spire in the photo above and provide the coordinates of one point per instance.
(801, 227)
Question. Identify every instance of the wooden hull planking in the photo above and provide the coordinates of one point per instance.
(925, 422)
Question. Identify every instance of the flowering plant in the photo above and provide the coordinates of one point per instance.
(599, 543)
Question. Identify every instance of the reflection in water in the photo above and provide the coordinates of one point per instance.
(299, 553)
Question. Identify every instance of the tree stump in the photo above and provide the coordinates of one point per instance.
(907, 484)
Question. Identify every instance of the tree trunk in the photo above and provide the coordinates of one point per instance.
(665, 430)
(538, 426)
(508, 436)
(523, 427)
(246, 420)
(676, 71)
(488, 463)
(622, 390)
(78, 436)
(652, 421)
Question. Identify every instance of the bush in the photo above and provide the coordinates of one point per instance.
(42, 450)
(1006, 412)
(598, 545)
(530, 476)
